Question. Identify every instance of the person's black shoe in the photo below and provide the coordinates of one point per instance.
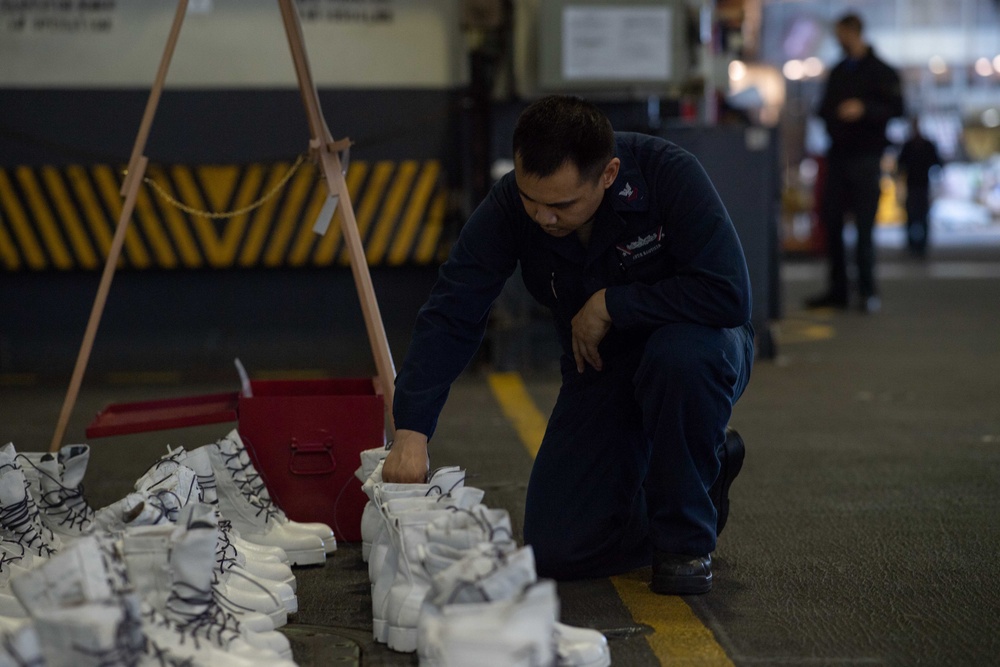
(679, 574)
(826, 300)
(731, 461)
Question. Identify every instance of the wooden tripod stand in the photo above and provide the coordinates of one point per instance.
(323, 150)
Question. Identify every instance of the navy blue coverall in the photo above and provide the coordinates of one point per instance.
(630, 451)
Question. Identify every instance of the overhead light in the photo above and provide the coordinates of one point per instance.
(812, 66)
(991, 117)
(793, 70)
(737, 70)
(937, 65)
(996, 63)
(984, 67)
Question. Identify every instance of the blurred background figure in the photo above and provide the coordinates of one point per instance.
(861, 95)
(916, 159)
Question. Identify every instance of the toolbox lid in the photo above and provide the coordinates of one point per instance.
(160, 415)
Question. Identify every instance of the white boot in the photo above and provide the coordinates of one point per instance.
(271, 564)
(56, 484)
(194, 605)
(19, 514)
(442, 481)
(234, 586)
(272, 568)
(390, 501)
(160, 493)
(238, 462)
(369, 515)
(370, 458)
(266, 567)
(516, 631)
(11, 608)
(196, 591)
(256, 520)
(464, 530)
(395, 564)
(237, 577)
(489, 573)
(460, 528)
(19, 646)
(91, 634)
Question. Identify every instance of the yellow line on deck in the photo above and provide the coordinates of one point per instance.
(679, 637)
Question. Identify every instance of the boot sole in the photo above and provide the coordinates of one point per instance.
(380, 630)
(306, 557)
(681, 585)
(402, 640)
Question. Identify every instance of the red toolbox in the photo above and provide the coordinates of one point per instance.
(304, 437)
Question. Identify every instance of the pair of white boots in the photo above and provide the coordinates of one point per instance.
(227, 479)
(425, 545)
(108, 601)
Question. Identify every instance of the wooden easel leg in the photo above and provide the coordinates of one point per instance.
(114, 252)
(154, 93)
(130, 191)
(333, 173)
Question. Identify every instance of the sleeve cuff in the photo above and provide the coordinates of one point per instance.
(616, 301)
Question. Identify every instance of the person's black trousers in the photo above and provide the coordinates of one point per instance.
(852, 185)
(917, 224)
(631, 452)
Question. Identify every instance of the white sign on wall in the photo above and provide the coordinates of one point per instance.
(616, 43)
(230, 43)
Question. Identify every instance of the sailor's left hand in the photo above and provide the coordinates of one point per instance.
(590, 326)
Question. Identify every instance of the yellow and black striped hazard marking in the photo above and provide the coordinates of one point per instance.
(63, 218)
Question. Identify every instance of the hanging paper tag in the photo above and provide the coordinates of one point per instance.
(326, 215)
(245, 387)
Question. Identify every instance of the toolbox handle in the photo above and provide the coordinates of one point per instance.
(304, 458)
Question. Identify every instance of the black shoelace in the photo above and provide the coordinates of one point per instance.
(22, 523)
(237, 471)
(225, 551)
(65, 505)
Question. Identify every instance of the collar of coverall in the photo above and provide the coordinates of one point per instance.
(628, 192)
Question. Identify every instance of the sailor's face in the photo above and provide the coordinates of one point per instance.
(561, 202)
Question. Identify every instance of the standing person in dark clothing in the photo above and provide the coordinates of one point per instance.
(623, 237)
(861, 95)
(917, 157)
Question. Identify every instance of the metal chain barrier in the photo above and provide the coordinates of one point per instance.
(226, 214)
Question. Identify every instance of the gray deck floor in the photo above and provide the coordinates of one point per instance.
(864, 528)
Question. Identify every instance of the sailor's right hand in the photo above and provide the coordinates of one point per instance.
(407, 461)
